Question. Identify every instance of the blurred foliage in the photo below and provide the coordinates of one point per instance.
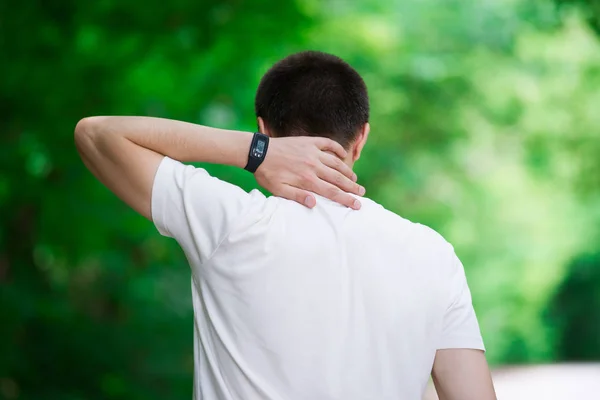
(588, 9)
(484, 127)
(575, 311)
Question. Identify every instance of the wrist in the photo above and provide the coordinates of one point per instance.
(238, 144)
(257, 152)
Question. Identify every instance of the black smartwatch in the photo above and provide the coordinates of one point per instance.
(258, 151)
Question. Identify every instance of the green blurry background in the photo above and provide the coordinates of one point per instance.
(485, 126)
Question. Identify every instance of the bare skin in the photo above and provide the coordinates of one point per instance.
(462, 374)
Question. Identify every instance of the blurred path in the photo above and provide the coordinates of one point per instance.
(547, 382)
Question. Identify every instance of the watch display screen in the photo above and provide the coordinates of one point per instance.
(260, 146)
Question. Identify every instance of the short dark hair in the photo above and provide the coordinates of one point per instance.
(313, 94)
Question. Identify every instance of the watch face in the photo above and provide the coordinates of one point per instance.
(260, 146)
(259, 149)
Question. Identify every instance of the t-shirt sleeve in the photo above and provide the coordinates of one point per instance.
(194, 208)
(460, 328)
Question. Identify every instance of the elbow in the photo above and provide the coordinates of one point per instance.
(87, 129)
(86, 135)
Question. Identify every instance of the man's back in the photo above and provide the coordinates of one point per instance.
(323, 303)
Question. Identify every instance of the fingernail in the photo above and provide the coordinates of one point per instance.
(356, 205)
(361, 190)
(354, 177)
(308, 201)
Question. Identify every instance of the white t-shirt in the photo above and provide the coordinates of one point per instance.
(295, 303)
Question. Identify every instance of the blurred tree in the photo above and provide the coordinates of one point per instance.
(575, 310)
(90, 304)
(483, 128)
(590, 9)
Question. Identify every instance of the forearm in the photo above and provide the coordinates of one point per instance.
(124, 153)
(178, 140)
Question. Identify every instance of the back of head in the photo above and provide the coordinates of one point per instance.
(313, 94)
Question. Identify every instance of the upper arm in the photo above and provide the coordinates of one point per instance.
(462, 374)
(460, 370)
(123, 167)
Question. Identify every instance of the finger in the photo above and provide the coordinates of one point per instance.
(326, 144)
(332, 192)
(342, 182)
(298, 195)
(333, 162)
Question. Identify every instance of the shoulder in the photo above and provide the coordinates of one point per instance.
(417, 239)
(431, 237)
(418, 231)
(187, 203)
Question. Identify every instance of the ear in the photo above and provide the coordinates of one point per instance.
(360, 141)
(262, 127)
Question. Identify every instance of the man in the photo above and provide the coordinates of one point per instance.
(291, 301)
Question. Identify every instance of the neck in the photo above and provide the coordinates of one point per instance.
(348, 160)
